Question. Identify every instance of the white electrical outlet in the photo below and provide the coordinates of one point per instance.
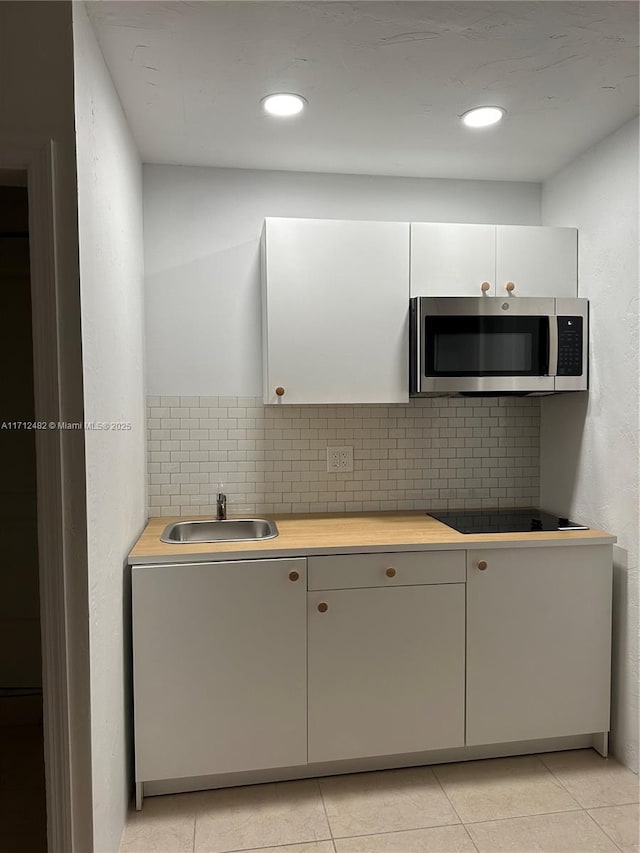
(340, 459)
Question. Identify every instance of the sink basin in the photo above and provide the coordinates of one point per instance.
(224, 530)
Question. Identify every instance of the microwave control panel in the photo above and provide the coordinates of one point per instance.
(570, 331)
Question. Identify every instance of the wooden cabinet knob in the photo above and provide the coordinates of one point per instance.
(293, 576)
(323, 607)
(485, 286)
(510, 287)
(482, 565)
(280, 391)
(390, 573)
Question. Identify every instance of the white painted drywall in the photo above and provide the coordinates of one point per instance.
(589, 444)
(111, 278)
(201, 233)
(385, 84)
(36, 105)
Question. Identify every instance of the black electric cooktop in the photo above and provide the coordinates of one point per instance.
(504, 521)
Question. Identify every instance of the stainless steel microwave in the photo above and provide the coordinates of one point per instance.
(493, 346)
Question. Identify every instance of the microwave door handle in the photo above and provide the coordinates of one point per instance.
(553, 345)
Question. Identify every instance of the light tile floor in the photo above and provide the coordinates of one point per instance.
(568, 802)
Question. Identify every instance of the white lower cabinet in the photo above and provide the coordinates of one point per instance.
(386, 670)
(538, 642)
(237, 667)
(219, 667)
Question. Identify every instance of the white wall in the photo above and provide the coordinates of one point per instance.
(202, 229)
(589, 443)
(111, 277)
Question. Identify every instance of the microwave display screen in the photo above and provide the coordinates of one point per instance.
(486, 346)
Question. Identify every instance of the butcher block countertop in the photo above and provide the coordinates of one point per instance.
(338, 533)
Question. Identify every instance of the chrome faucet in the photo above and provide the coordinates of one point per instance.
(221, 506)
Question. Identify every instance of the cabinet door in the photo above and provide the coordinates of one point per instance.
(386, 671)
(538, 643)
(539, 261)
(335, 311)
(448, 259)
(219, 667)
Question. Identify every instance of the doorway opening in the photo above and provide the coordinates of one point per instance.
(22, 775)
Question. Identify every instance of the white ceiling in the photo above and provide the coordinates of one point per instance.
(385, 81)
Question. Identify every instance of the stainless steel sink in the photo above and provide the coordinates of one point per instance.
(224, 530)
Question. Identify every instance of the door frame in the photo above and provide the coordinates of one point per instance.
(64, 610)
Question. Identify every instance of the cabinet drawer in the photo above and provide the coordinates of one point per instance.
(406, 568)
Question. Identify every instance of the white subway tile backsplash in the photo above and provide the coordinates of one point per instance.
(434, 453)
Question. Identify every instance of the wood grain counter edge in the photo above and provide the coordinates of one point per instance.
(337, 533)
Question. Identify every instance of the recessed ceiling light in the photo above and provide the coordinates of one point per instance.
(483, 116)
(283, 104)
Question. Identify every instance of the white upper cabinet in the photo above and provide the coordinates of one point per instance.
(449, 259)
(335, 311)
(539, 261)
(335, 298)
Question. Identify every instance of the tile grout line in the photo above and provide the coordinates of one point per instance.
(559, 781)
(275, 846)
(442, 788)
(279, 845)
(406, 829)
(601, 828)
(326, 814)
(579, 806)
(437, 778)
(522, 816)
(396, 831)
(466, 829)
